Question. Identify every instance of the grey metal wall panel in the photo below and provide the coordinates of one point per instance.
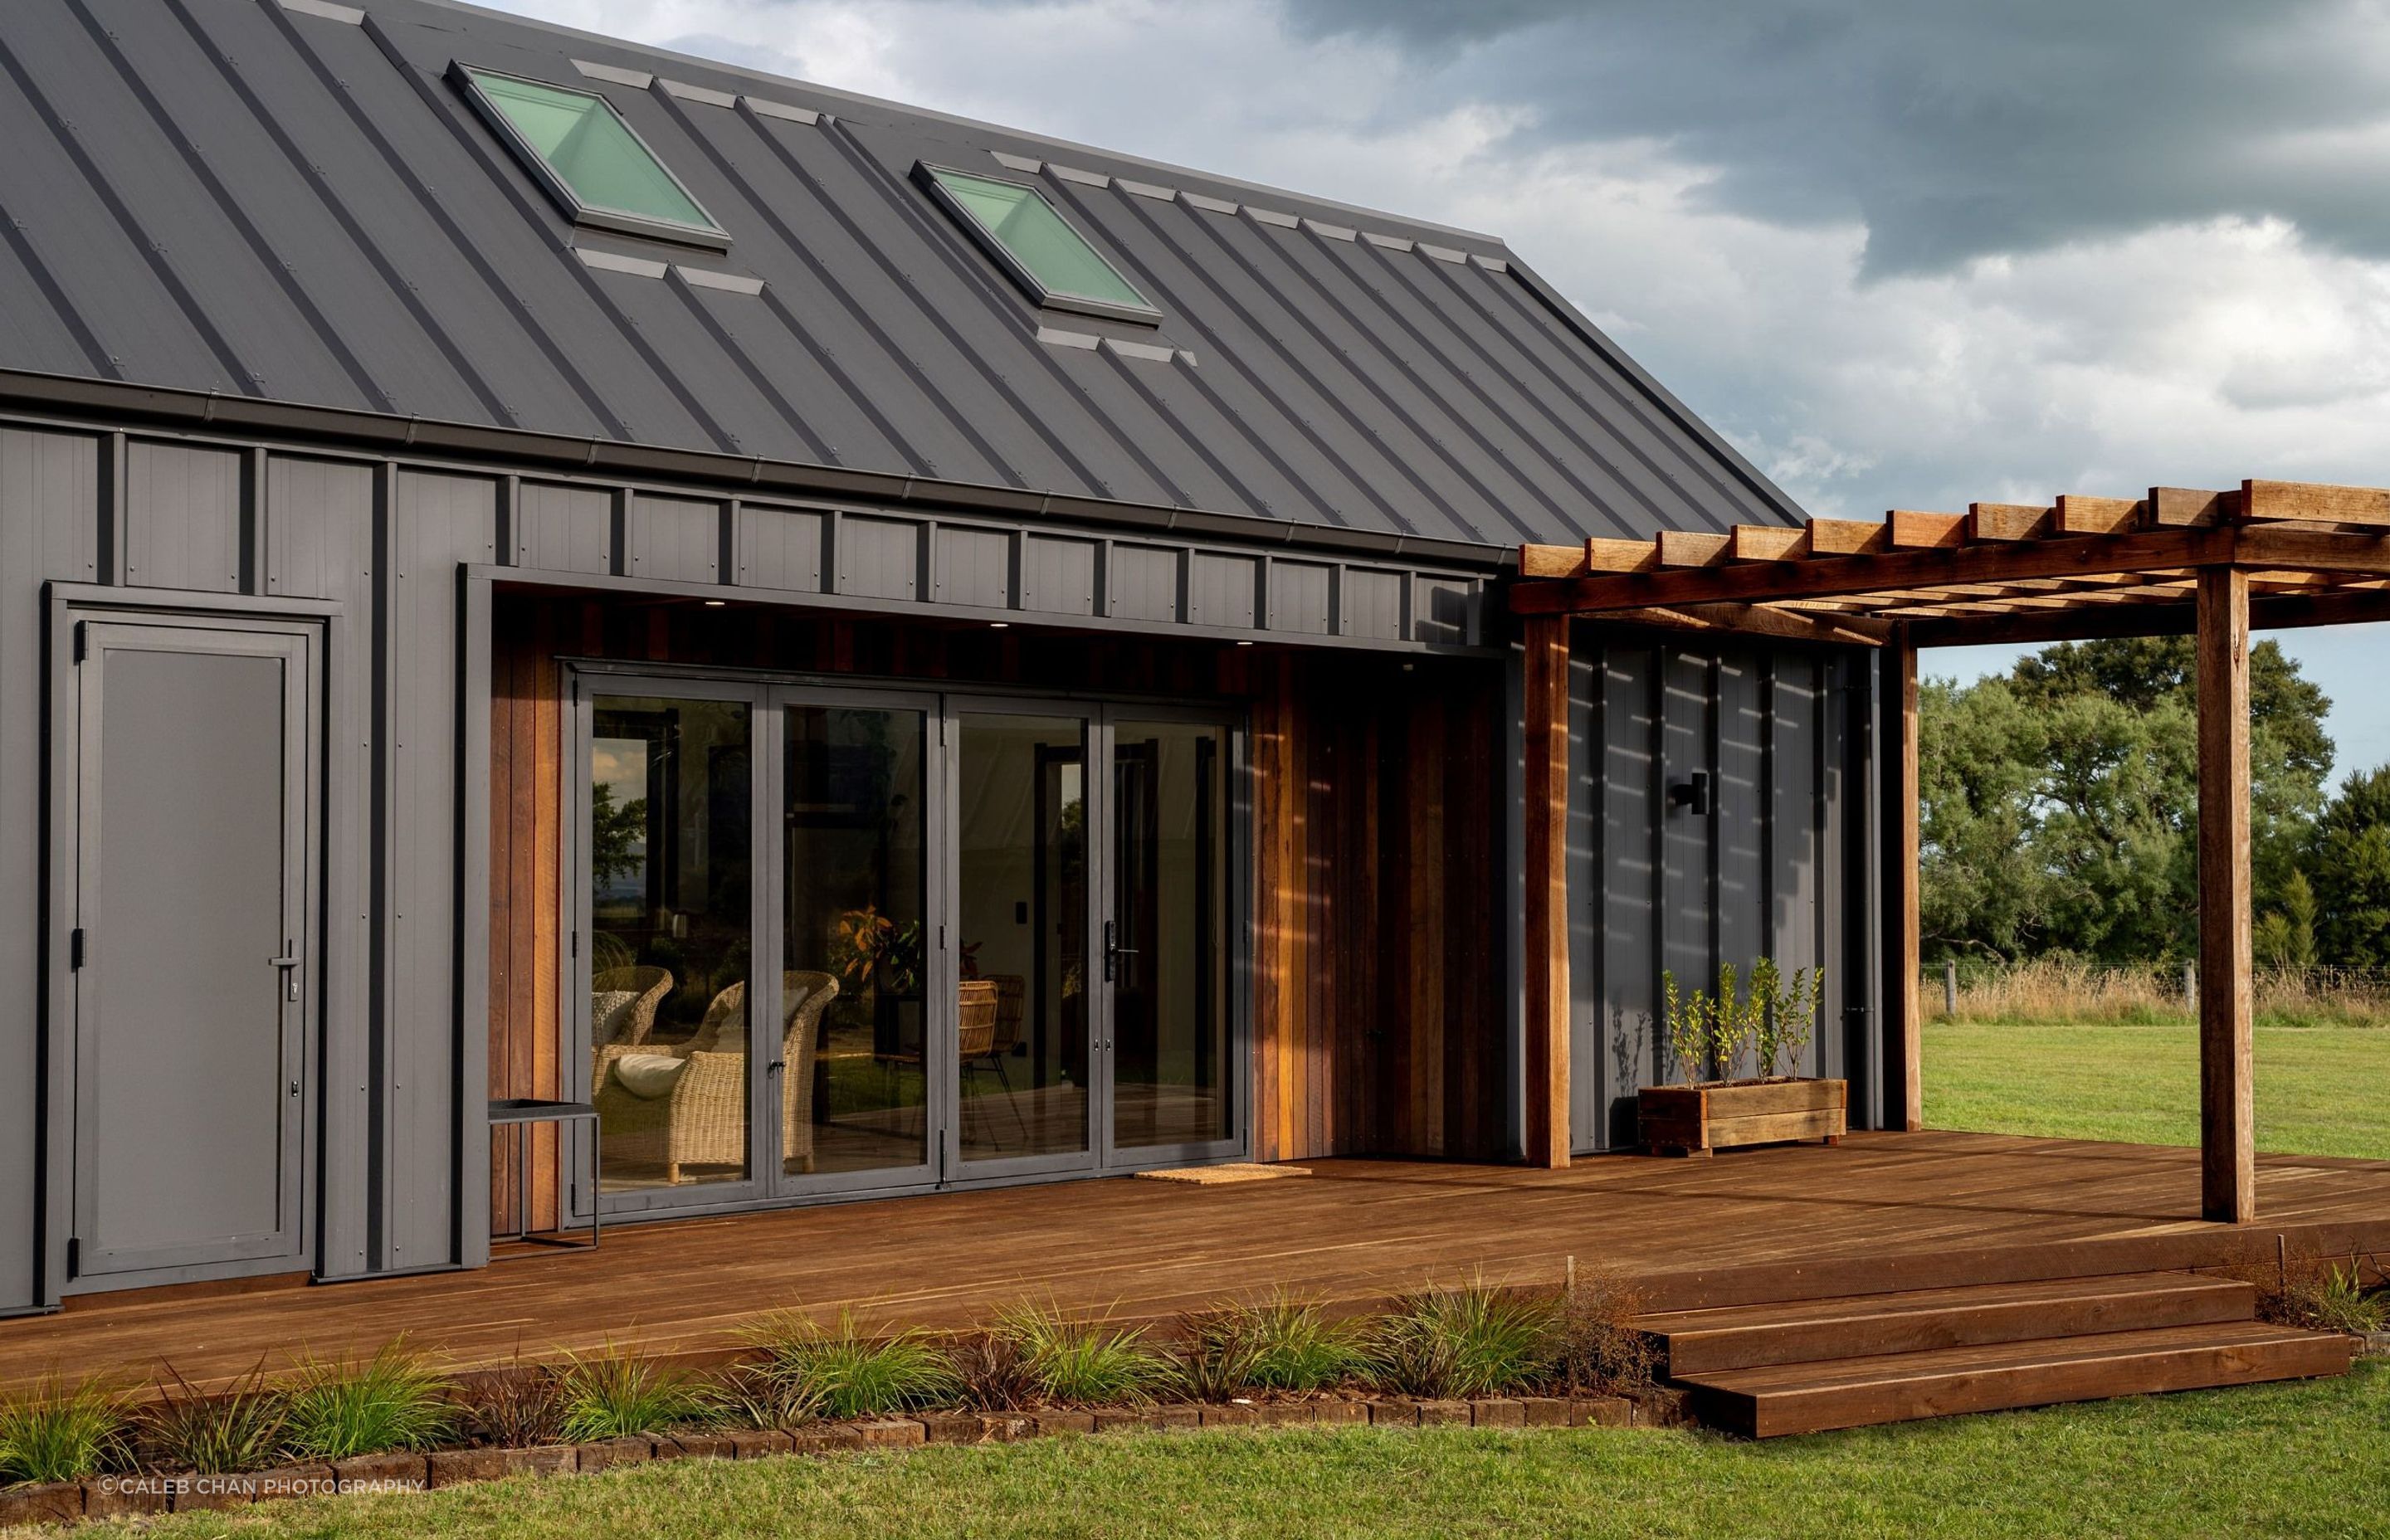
(564, 529)
(1443, 610)
(236, 197)
(1057, 577)
(439, 522)
(1221, 590)
(880, 559)
(1302, 597)
(1146, 582)
(1765, 875)
(49, 528)
(1372, 603)
(780, 547)
(321, 544)
(676, 539)
(183, 513)
(974, 565)
(1739, 774)
(1625, 997)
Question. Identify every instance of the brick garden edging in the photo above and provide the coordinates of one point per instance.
(121, 1496)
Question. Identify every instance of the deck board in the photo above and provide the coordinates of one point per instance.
(1884, 1211)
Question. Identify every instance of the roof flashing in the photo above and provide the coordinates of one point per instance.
(585, 153)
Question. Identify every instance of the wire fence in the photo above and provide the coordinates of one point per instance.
(2062, 990)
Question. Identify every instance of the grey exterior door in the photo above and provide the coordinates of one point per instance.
(195, 805)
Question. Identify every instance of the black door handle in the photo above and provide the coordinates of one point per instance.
(1114, 951)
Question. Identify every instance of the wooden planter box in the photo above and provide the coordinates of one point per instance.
(1694, 1119)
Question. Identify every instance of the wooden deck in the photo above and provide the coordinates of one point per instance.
(1883, 1212)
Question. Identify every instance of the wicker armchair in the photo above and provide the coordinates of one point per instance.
(703, 1120)
(632, 1019)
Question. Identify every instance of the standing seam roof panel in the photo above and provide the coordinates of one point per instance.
(282, 203)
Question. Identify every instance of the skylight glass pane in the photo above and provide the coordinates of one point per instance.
(1040, 239)
(591, 149)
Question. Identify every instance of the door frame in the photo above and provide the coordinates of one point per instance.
(582, 688)
(1236, 934)
(945, 700)
(330, 886)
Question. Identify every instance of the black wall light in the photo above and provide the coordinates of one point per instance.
(1693, 793)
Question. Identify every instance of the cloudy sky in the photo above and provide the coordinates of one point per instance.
(1902, 253)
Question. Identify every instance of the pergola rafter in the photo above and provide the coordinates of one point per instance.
(2215, 564)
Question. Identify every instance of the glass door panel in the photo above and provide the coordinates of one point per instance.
(1165, 952)
(1023, 1050)
(669, 843)
(854, 1060)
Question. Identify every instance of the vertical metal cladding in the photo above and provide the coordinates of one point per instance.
(1658, 885)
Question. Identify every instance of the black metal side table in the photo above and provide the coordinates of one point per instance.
(521, 1113)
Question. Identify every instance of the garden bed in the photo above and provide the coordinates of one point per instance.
(1475, 1355)
(138, 1494)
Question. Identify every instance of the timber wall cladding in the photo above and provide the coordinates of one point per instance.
(1377, 1022)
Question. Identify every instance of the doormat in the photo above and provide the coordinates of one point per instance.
(1206, 1177)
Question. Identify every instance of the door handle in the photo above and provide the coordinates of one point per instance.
(1114, 951)
(288, 963)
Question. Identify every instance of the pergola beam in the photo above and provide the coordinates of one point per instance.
(1763, 581)
(2226, 1127)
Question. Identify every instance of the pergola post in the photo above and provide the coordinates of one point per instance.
(1907, 1108)
(2227, 1006)
(1545, 942)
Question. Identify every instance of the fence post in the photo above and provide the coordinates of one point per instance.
(1950, 986)
(2191, 983)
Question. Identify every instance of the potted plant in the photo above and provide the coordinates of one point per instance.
(1714, 1038)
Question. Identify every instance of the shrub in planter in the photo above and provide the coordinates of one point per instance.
(1714, 1036)
(1475, 1340)
(616, 1392)
(847, 1371)
(214, 1435)
(340, 1409)
(1086, 1361)
(62, 1432)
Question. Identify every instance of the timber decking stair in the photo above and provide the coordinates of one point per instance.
(1807, 1366)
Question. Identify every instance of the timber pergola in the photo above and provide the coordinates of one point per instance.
(2209, 563)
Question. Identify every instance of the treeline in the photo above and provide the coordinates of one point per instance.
(2060, 814)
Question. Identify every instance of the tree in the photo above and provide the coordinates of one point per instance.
(2060, 804)
(2286, 937)
(2350, 857)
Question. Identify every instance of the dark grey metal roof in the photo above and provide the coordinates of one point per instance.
(288, 199)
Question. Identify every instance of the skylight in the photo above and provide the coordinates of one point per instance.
(1037, 246)
(589, 159)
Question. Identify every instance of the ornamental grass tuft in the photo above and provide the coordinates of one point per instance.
(847, 1371)
(61, 1432)
(618, 1392)
(1277, 1343)
(1085, 1361)
(1474, 1339)
(395, 1400)
(240, 1429)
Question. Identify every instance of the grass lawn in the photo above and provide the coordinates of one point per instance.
(2320, 1090)
(2308, 1460)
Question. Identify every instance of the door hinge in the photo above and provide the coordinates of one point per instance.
(78, 947)
(576, 944)
(74, 1256)
(82, 640)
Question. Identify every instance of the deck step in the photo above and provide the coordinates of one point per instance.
(1739, 1337)
(1777, 1399)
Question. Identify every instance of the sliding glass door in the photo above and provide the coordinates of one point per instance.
(827, 938)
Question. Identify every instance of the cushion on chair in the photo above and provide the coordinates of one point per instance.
(649, 1075)
(606, 1007)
